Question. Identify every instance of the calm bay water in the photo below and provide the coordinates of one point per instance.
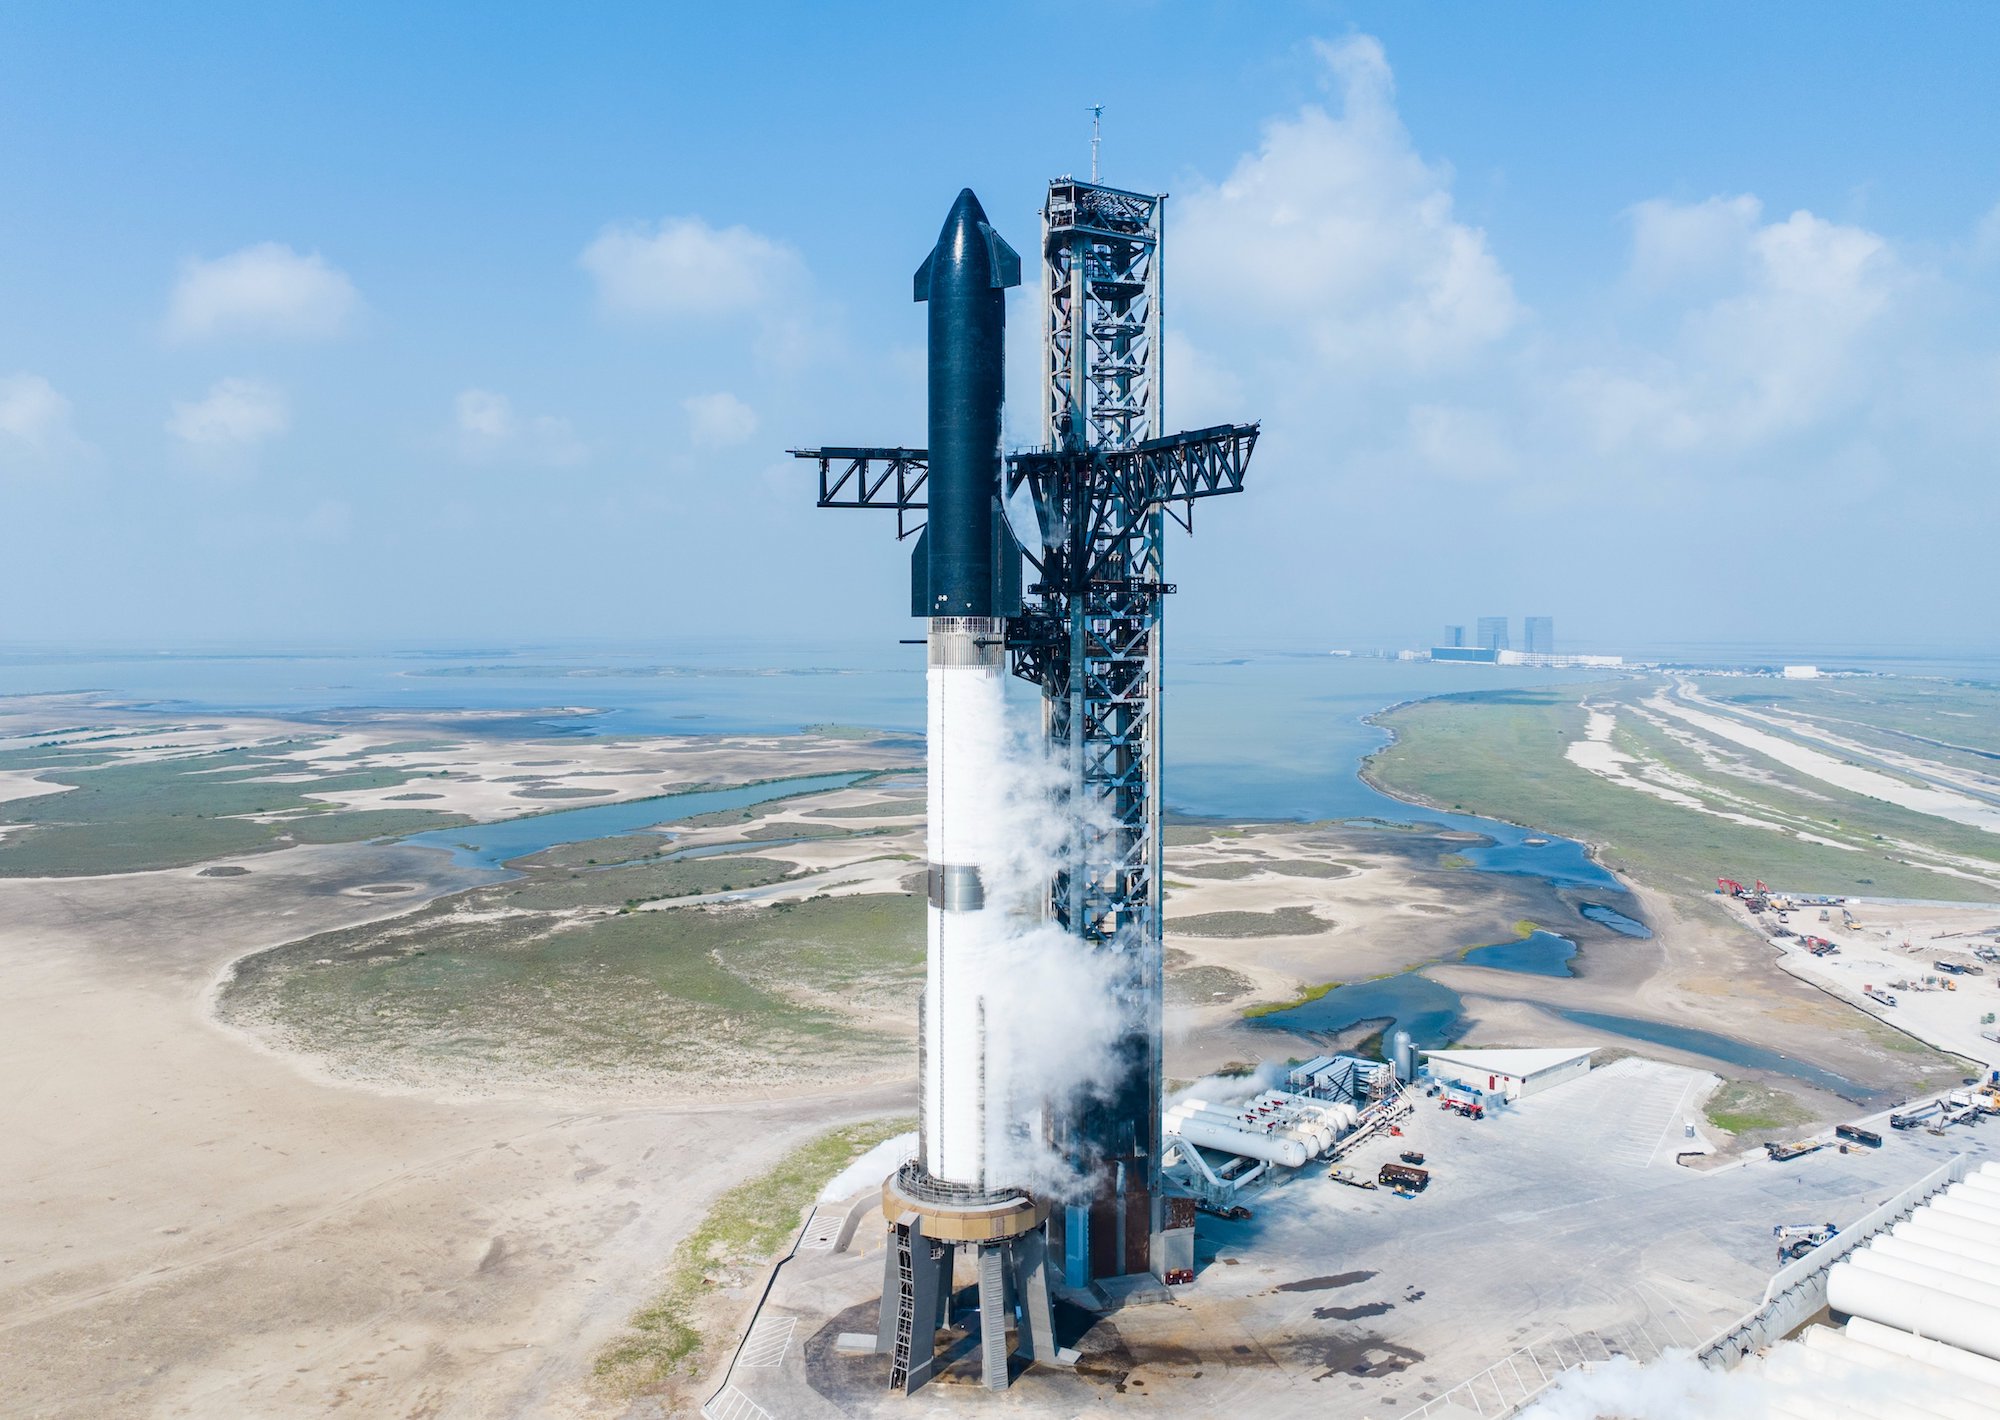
(488, 845)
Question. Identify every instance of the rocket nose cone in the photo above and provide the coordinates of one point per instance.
(961, 222)
(966, 208)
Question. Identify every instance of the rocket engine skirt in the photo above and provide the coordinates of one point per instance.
(966, 732)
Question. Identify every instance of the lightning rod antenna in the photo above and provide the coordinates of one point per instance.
(1096, 136)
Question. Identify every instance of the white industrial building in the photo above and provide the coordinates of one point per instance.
(1514, 1074)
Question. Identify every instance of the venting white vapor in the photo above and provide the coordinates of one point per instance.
(1017, 1014)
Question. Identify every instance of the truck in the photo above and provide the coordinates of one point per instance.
(1875, 995)
(1340, 1174)
(1796, 1149)
(1910, 1119)
(1404, 1178)
(1855, 1134)
(1795, 1240)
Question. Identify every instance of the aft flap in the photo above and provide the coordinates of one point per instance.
(1006, 264)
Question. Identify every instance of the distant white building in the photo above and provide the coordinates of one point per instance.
(1801, 672)
(1526, 658)
(1515, 1074)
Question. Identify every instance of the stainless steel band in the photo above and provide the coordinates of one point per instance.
(955, 887)
(967, 641)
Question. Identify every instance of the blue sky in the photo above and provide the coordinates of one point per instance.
(325, 324)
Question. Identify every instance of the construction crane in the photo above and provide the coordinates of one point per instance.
(1797, 1239)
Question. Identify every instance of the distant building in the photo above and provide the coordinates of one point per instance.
(1512, 1073)
(1538, 635)
(1476, 655)
(1801, 672)
(1454, 636)
(1493, 633)
(1528, 658)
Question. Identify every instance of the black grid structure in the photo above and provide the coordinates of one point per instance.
(1090, 637)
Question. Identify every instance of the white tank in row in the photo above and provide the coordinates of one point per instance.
(1275, 1127)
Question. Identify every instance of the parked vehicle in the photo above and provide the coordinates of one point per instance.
(1403, 1178)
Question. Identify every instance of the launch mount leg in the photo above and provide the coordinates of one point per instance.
(1037, 1337)
(993, 1316)
(916, 1282)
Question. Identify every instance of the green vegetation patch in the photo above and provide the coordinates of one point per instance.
(1284, 922)
(744, 1231)
(639, 883)
(354, 825)
(886, 808)
(126, 817)
(1501, 753)
(792, 828)
(1233, 869)
(484, 987)
(1305, 998)
(1205, 985)
(1740, 1107)
(597, 852)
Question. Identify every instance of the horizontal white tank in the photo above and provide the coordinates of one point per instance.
(1984, 1247)
(1960, 1207)
(1273, 1115)
(1972, 1269)
(1983, 1251)
(1914, 1307)
(1922, 1348)
(1958, 1223)
(1210, 1133)
(1869, 1260)
(1966, 1395)
(1979, 1186)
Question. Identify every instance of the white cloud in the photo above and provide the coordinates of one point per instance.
(1338, 235)
(1676, 241)
(1986, 237)
(718, 420)
(236, 414)
(36, 433)
(263, 290)
(683, 268)
(1790, 342)
(490, 431)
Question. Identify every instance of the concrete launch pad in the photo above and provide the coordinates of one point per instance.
(1565, 1216)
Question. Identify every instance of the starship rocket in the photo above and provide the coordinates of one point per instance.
(965, 578)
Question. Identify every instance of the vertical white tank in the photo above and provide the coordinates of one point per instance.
(967, 729)
(1403, 1056)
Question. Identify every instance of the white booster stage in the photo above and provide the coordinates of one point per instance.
(964, 1111)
